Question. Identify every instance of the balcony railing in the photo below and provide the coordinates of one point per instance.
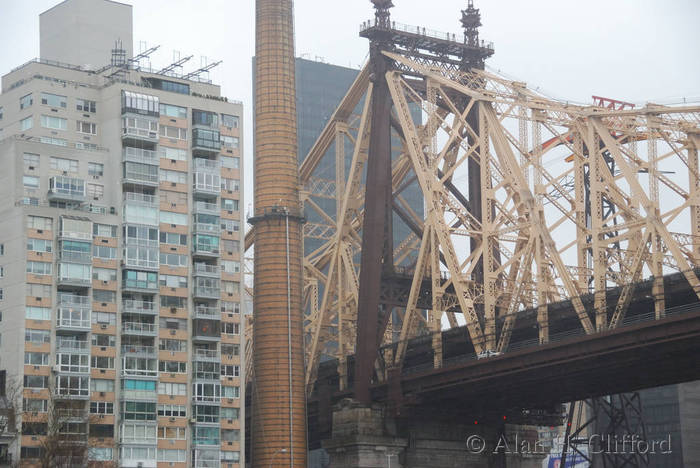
(201, 248)
(66, 188)
(207, 292)
(207, 165)
(66, 321)
(72, 345)
(207, 312)
(139, 350)
(139, 328)
(71, 413)
(139, 307)
(74, 300)
(140, 155)
(203, 269)
(75, 235)
(206, 208)
(141, 177)
(75, 257)
(141, 199)
(207, 228)
(206, 355)
(150, 395)
(206, 140)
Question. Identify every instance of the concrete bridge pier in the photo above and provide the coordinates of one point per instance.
(369, 437)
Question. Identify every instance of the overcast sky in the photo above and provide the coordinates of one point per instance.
(634, 50)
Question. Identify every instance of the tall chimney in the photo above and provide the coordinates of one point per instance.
(278, 399)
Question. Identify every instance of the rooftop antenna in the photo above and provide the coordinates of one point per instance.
(202, 70)
(176, 65)
(118, 54)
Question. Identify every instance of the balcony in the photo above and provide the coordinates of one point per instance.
(139, 307)
(74, 274)
(140, 174)
(201, 207)
(206, 355)
(68, 189)
(141, 199)
(207, 165)
(205, 182)
(205, 246)
(139, 281)
(75, 256)
(205, 140)
(204, 269)
(71, 414)
(207, 228)
(71, 345)
(142, 395)
(139, 350)
(139, 329)
(204, 312)
(139, 155)
(207, 292)
(140, 129)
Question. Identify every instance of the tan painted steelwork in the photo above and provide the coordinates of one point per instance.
(279, 413)
(576, 200)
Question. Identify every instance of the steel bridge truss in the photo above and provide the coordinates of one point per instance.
(528, 242)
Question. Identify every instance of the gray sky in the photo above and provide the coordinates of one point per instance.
(634, 50)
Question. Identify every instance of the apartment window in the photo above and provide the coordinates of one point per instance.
(173, 323)
(175, 133)
(25, 101)
(53, 100)
(30, 181)
(31, 161)
(95, 190)
(176, 154)
(206, 413)
(230, 392)
(228, 307)
(230, 245)
(171, 433)
(208, 182)
(39, 245)
(73, 362)
(102, 362)
(173, 238)
(101, 407)
(230, 162)
(1, 112)
(173, 198)
(173, 176)
(228, 328)
(175, 411)
(172, 281)
(103, 340)
(37, 336)
(39, 268)
(174, 260)
(85, 105)
(36, 381)
(100, 295)
(138, 433)
(166, 344)
(232, 185)
(104, 274)
(231, 371)
(2, 271)
(96, 169)
(54, 141)
(137, 453)
(167, 388)
(173, 455)
(38, 290)
(169, 217)
(140, 214)
(230, 121)
(230, 287)
(53, 122)
(230, 266)
(72, 385)
(230, 435)
(173, 301)
(35, 405)
(39, 222)
(86, 127)
(139, 411)
(36, 359)
(173, 111)
(140, 103)
(101, 453)
(104, 230)
(104, 318)
(229, 141)
(229, 205)
(172, 367)
(230, 413)
(101, 385)
(26, 123)
(101, 251)
(64, 165)
(230, 349)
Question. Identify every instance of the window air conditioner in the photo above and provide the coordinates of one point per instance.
(57, 368)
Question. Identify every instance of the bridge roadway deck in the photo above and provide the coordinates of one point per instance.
(641, 353)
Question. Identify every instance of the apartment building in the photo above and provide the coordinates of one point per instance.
(120, 257)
